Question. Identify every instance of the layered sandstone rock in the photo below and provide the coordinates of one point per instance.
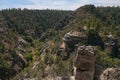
(85, 55)
(72, 38)
(110, 74)
(84, 63)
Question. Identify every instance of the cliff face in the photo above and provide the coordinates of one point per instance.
(85, 55)
(84, 60)
(72, 38)
(70, 42)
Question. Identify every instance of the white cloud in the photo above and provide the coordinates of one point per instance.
(67, 4)
(109, 2)
(51, 4)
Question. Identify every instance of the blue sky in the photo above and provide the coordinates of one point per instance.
(55, 4)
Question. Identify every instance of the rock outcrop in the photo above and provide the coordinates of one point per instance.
(112, 44)
(110, 40)
(72, 38)
(85, 55)
(19, 61)
(84, 63)
(110, 74)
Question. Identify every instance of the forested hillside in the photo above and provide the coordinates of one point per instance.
(31, 38)
(18, 31)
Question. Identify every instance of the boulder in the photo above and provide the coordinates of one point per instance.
(110, 74)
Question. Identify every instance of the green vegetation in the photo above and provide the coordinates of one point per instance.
(37, 35)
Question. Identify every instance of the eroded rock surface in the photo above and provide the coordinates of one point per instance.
(110, 74)
(84, 63)
(72, 38)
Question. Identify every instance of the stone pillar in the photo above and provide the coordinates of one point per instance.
(84, 63)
